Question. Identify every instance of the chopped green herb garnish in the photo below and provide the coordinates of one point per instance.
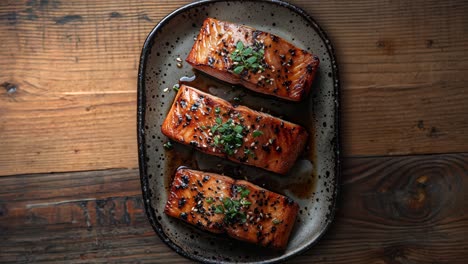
(238, 129)
(219, 209)
(247, 58)
(245, 202)
(248, 152)
(238, 69)
(276, 221)
(232, 208)
(176, 87)
(217, 110)
(216, 140)
(227, 135)
(239, 45)
(257, 133)
(251, 60)
(243, 191)
(168, 145)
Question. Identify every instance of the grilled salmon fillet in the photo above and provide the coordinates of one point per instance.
(262, 62)
(243, 210)
(214, 126)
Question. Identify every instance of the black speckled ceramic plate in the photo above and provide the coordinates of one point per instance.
(313, 180)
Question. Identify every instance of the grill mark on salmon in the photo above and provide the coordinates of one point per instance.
(289, 71)
(195, 195)
(266, 142)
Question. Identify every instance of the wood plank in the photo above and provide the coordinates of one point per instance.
(391, 210)
(73, 68)
(68, 73)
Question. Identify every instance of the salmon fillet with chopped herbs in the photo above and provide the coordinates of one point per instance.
(240, 209)
(238, 133)
(258, 60)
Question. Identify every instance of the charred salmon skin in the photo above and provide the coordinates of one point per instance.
(240, 209)
(238, 133)
(258, 60)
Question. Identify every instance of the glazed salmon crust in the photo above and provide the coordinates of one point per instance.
(214, 126)
(262, 62)
(243, 210)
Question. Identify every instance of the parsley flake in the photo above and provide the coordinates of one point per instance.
(219, 209)
(209, 200)
(168, 145)
(257, 133)
(276, 221)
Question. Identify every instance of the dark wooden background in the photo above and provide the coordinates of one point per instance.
(69, 185)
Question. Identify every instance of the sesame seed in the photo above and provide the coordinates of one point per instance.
(253, 144)
(179, 59)
(179, 65)
(166, 89)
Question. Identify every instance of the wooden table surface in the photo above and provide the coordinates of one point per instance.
(70, 188)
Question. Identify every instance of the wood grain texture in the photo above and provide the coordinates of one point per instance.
(408, 209)
(68, 74)
(68, 78)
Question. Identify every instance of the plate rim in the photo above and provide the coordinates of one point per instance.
(141, 106)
